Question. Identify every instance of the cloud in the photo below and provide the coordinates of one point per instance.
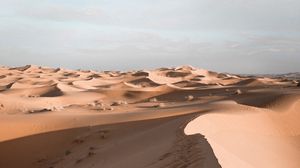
(55, 12)
(254, 36)
(229, 15)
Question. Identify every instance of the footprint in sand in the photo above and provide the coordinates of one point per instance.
(103, 134)
(79, 160)
(67, 152)
(78, 141)
(90, 154)
(92, 148)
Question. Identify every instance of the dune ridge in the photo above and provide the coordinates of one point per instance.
(167, 117)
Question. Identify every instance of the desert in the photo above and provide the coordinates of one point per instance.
(166, 117)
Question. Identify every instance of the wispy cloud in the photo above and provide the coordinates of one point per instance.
(209, 33)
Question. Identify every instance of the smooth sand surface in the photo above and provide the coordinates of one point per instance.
(167, 117)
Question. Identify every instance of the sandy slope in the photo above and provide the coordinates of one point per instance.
(64, 118)
(252, 137)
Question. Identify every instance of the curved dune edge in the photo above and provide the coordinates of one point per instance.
(40, 123)
(161, 143)
(252, 137)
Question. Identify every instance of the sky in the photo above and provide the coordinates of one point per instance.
(237, 36)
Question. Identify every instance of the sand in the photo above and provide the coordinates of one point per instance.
(167, 117)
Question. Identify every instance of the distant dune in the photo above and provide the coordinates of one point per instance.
(167, 117)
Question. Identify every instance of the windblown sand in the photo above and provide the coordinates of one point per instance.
(162, 118)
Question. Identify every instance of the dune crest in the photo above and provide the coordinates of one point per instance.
(82, 118)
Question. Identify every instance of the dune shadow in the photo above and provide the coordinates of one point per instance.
(49, 149)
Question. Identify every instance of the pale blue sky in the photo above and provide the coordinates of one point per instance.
(239, 36)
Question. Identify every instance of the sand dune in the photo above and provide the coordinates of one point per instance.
(252, 137)
(22, 68)
(54, 117)
(2, 76)
(6, 87)
(144, 82)
(140, 73)
(41, 91)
